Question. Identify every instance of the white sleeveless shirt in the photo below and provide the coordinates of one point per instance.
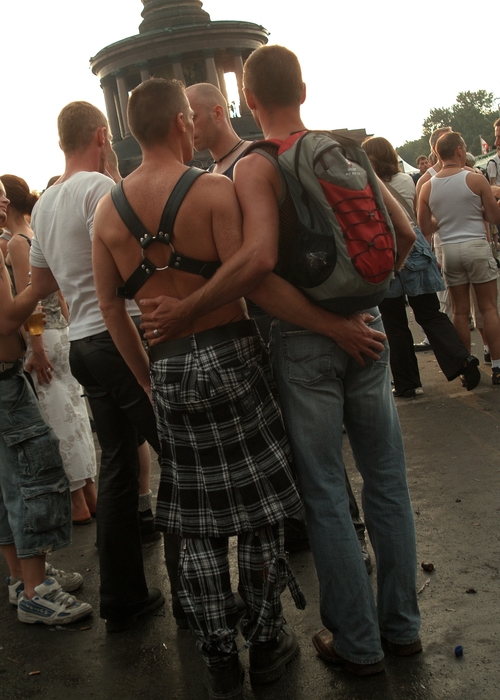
(457, 209)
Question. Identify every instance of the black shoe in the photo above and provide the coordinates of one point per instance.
(147, 527)
(421, 347)
(408, 393)
(470, 375)
(224, 680)
(296, 537)
(122, 622)
(268, 660)
(366, 556)
(487, 358)
(495, 375)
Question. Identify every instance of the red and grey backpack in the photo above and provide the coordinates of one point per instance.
(341, 253)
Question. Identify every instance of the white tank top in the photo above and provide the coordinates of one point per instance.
(456, 208)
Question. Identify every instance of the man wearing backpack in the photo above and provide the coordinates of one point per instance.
(330, 369)
(213, 131)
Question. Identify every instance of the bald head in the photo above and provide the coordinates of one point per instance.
(207, 95)
(210, 115)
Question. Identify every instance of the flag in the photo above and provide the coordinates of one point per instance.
(484, 146)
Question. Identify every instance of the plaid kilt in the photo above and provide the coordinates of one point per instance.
(225, 458)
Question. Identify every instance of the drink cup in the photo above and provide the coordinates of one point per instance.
(35, 321)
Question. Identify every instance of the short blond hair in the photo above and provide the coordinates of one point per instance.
(77, 124)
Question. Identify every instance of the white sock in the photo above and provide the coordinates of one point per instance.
(486, 348)
(145, 500)
(495, 363)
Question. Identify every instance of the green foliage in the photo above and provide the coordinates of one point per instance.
(472, 115)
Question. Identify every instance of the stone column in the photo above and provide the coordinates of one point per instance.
(222, 82)
(121, 84)
(238, 70)
(176, 62)
(109, 99)
(211, 69)
(145, 72)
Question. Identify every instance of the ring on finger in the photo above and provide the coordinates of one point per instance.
(156, 333)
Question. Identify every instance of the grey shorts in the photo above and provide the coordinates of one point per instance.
(35, 503)
(471, 261)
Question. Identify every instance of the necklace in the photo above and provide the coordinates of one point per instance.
(229, 152)
(451, 165)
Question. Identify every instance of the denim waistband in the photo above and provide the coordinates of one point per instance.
(12, 369)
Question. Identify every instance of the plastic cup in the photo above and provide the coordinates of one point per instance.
(35, 321)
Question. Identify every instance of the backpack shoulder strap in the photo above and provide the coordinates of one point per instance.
(269, 149)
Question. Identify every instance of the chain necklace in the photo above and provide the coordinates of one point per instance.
(229, 152)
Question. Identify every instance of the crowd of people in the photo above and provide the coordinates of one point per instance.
(240, 382)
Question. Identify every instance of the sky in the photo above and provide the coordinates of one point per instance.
(366, 65)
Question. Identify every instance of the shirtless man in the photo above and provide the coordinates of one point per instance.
(34, 586)
(323, 384)
(225, 458)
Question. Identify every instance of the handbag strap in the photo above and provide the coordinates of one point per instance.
(409, 210)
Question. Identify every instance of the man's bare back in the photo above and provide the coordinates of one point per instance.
(207, 227)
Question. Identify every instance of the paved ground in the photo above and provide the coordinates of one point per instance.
(452, 443)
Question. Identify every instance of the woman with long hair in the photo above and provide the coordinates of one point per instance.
(59, 393)
(417, 282)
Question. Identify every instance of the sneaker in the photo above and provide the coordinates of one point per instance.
(68, 582)
(487, 358)
(51, 606)
(268, 660)
(15, 587)
(495, 375)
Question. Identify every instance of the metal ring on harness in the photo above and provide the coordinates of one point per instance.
(162, 240)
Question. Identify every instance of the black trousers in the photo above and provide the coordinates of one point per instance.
(121, 410)
(448, 349)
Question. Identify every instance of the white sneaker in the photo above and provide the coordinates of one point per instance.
(51, 605)
(15, 587)
(68, 582)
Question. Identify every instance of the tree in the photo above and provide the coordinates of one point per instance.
(472, 115)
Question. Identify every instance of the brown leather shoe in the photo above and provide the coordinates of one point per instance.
(404, 649)
(323, 643)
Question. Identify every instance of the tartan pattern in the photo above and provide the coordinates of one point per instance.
(225, 458)
(207, 599)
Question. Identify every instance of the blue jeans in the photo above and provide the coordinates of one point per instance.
(321, 387)
(35, 505)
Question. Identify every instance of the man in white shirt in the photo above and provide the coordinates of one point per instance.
(61, 257)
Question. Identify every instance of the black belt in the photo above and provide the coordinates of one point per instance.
(212, 336)
(9, 369)
(97, 336)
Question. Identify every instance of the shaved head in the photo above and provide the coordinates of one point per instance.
(210, 115)
(206, 95)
